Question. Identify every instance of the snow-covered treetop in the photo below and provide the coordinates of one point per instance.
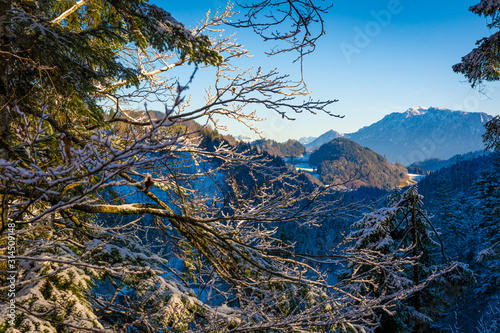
(482, 63)
(486, 7)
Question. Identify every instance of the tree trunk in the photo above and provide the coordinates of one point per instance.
(4, 74)
(416, 270)
(5, 96)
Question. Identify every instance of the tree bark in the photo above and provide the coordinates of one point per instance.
(5, 96)
(416, 270)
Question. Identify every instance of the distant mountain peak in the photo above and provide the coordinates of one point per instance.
(307, 139)
(418, 111)
(243, 138)
(323, 138)
(332, 132)
(411, 112)
(421, 133)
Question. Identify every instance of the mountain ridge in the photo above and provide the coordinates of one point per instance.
(322, 139)
(421, 133)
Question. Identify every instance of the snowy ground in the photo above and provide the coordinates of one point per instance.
(304, 166)
(302, 159)
(415, 177)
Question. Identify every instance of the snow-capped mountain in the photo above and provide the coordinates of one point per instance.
(307, 139)
(419, 134)
(243, 138)
(322, 139)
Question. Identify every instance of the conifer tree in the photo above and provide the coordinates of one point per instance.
(482, 63)
(402, 234)
(487, 192)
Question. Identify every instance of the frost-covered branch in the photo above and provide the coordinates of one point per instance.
(68, 12)
(303, 20)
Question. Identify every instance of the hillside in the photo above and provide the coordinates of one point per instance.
(419, 134)
(342, 159)
(433, 164)
(285, 149)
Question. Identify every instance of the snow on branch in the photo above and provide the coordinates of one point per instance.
(68, 12)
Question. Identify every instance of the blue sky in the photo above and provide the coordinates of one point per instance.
(374, 63)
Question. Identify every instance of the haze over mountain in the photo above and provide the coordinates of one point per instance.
(433, 164)
(419, 134)
(307, 139)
